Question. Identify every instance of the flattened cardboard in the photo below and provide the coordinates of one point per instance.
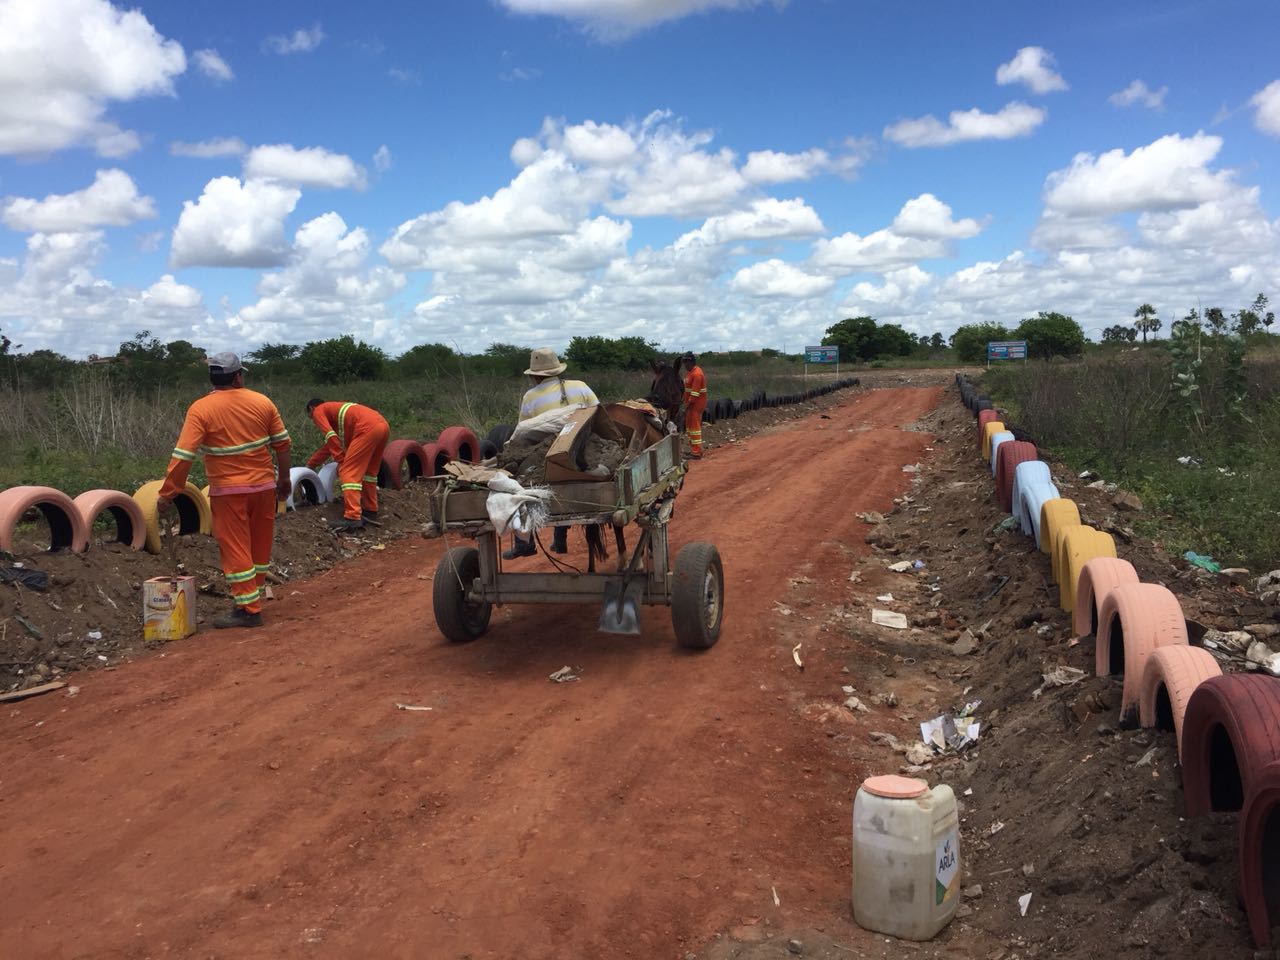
(564, 459)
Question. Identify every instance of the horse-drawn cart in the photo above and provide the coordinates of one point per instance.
(470, 580)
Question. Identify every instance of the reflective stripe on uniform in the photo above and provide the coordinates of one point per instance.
(342, 424)
(242, 599)
(238, 448)
(351, 486)
(695, 393)
(280, 437)
(262, 567)
(242, 576)
(329, 435)
(180, 454)
(368, 479)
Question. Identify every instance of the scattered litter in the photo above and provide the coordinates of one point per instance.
(889, 618)
(1000, 582)
(917, 565)
(1024, 901)
(885, 598)
(902, 566)
(966, 644)
(846, 689)
(1059, 677)
(1202, 561)
(782, 609)
(1190, 461)
(1028, 869)
(969, 792)
(30, 627)
(563, 675)
(855, 577)
(410, 706)
(1088, 475)
(1145, 760)
(1044, 631)
(995, 828)
(73, 691)
(32, 579)
(911, 468)
(871, 517)
(1260, 657)
(32, 691)
(1005, 525)
(776, 901)
(94, 635)
(795, 655)
(853, 703)
(952, 732)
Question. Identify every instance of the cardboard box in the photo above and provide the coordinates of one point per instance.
(168, 608)
(565, 458)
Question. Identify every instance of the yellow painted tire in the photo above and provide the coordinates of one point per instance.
(990, 430)
(194, 515)
(1077, 547)
(1054, 516)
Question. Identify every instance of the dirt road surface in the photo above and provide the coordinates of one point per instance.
(259, 794)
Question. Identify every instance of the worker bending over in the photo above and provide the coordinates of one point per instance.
(695, 401)
(354, 436)
(548, 392)
(235, 430)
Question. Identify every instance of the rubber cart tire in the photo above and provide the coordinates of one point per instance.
(1259, 843)
(1230, 733)
(1135, 619)
(131, 526)
(461, 443)
(989, 430)
(1056, 515)
(194, 514)
(1098, 577)
(67, 527)
(1077, 547)
(1168, 681)
(459, 620)
(697, 596)
(305, 488)
(1010, 456)
(404, 461)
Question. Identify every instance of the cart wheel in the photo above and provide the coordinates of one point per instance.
(458, 619)
(697, 596)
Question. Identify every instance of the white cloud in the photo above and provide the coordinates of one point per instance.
(206, 149)
(768, 166)
(599, 144)
(1139, 93)
(928, 218)
(305, 167)
(1170, 173)
(618, 19)
(896, 296)
(112, 200)
(63, 61)
(765, 219)
(166, 295)
(676, 177)
(1033, 66)
(1267, 102)
(777, 278)
(300, 41)
(1013, 120)
(213, 66)
(382, 159)
(234, 225)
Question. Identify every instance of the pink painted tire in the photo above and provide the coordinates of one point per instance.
(1098, 577)
(461, 443)
(67, 529)
(131, 525)
(1230, 733)
(434, 458)
(1008, 456)
(1259, 842)
(403, 461)
(1168, 681)
(1135, 619)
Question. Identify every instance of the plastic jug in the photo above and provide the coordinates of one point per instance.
(906, 857)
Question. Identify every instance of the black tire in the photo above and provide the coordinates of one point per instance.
(500, 434)
(697, 596)
(457, 619)
(487, 449)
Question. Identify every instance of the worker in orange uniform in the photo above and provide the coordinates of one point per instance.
(235, 430)
(354, 436)
(695, 401)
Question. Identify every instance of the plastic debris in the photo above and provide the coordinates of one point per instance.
(563, 675)
(885, 598)
(995, 828)
(1059, 677)
(1202, 561)
(1024, 902)
(1007, 524)
(902, 566)
(32, 579)
(846, 689)
(911, 468)
(871, 517)
(795, 655)
(853, 703)
(410, 706)
(952, 732)
(1190, 461)
(917, 565)
(94, 635)
(889, 618)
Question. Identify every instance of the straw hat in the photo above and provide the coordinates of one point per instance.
(543, 362)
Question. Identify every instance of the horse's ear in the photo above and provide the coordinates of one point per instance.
(657, 367)
(675, 362)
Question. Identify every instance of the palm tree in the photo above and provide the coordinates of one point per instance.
(1146, 320)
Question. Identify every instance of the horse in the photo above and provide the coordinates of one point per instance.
(667, 389)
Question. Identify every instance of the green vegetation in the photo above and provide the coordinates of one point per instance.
(862, 339)
(1047, 335)
(1192, 427)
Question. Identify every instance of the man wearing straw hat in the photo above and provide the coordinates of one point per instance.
(548, 392)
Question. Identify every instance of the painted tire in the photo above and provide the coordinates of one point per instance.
(1259, 825)
(1098, 577)
(461, 444)
(306, 488)
(1024, 475)
(328, 475)
(67, 527)
(487, 450)
(131, 526)
(1231, 731)
(1056, 516)
(997, 439)
(1032, 500)
(989, 430)
(434, 459)
(1168, 681)
(1077, 547)
(1135, 619)
(1009, 457)
(194, 515)
(499, 435)
(404, 461)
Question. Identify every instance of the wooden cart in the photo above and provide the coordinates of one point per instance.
(470, 580)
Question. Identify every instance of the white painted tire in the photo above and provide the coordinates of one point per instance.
(306, 487)
(996, 440)
(328, 475)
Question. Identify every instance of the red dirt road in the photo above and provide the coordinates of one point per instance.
(259, 795)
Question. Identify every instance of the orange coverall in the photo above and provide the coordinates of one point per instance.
(235, 430)
(354, 436)
(695, 401)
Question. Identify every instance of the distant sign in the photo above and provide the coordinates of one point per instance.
(821, 354)
(1007, 350)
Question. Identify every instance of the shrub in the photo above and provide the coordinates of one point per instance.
(342, 359)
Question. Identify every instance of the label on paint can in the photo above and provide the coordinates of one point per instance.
(947, 861)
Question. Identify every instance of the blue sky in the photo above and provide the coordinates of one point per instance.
(705, 173)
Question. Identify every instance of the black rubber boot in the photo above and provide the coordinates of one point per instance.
(237, 618)
(520, 548)
(369, 515)
(345, 525)
(559, 539)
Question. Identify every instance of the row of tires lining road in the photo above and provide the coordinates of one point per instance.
(136, 521)
(1227, 726)
(727, 409)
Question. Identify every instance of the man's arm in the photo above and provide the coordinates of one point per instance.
(281, 444)
(184, 454)
(330, 447)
